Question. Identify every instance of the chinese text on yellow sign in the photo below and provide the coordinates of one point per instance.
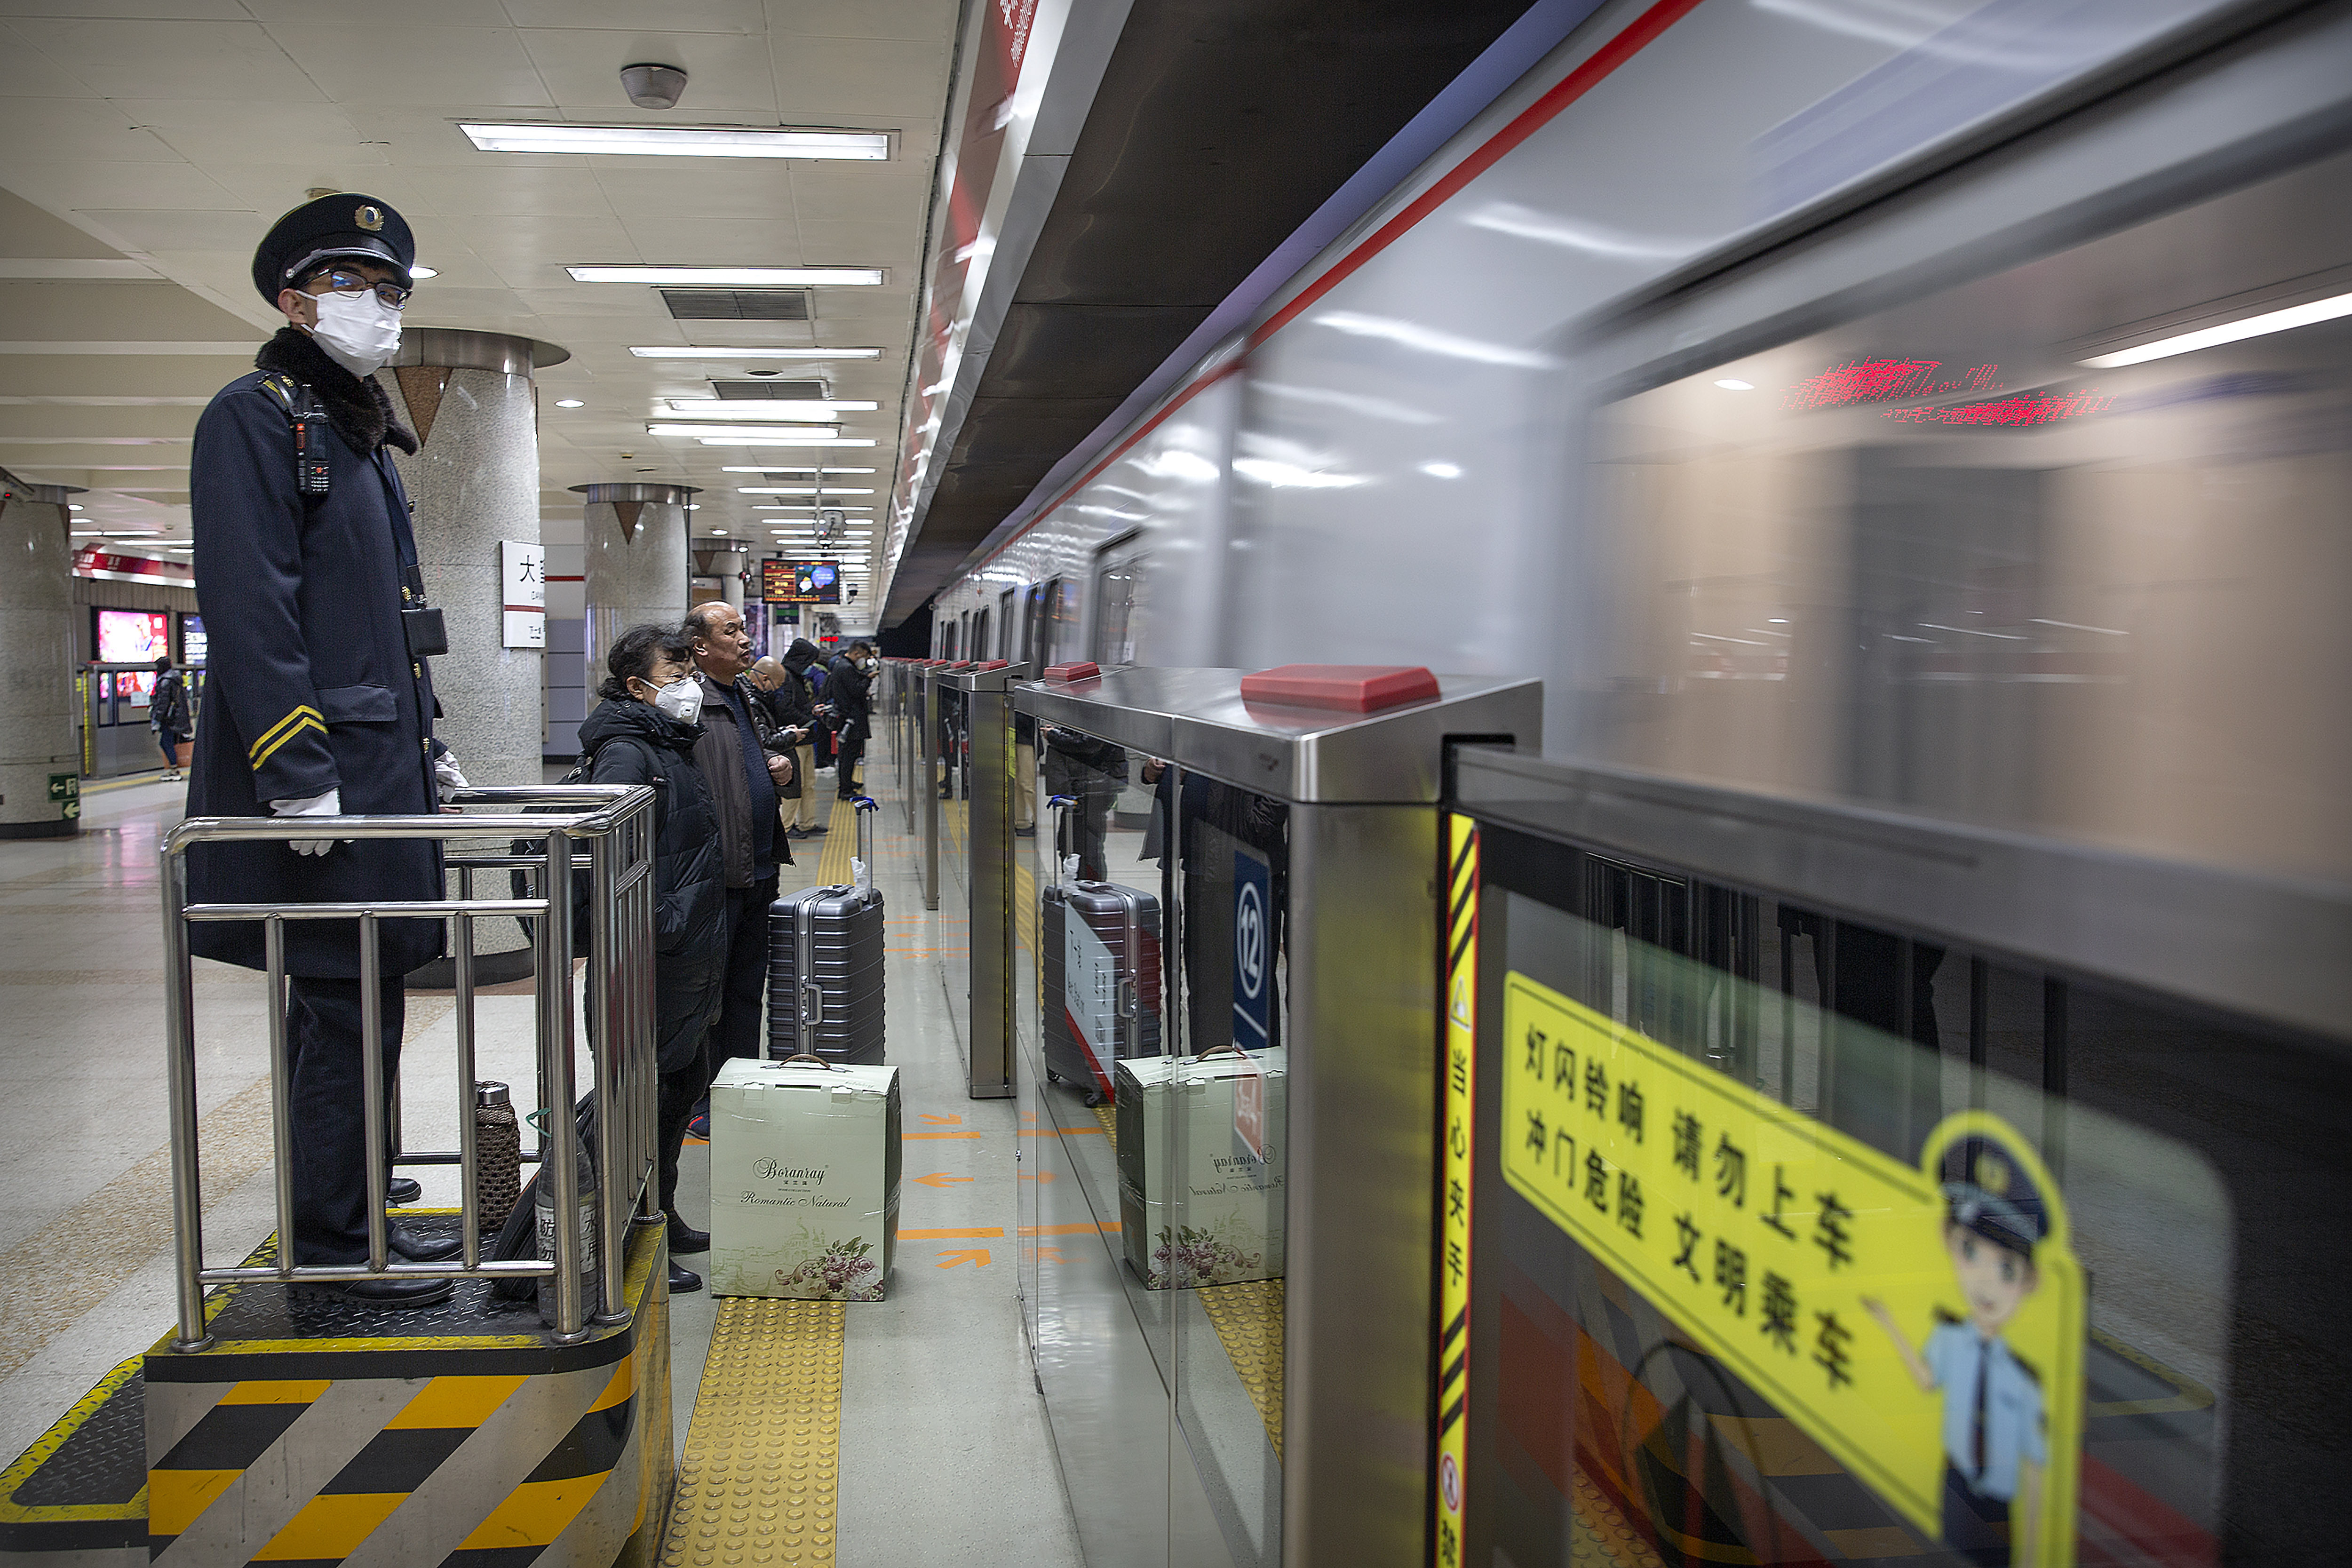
(1804, 1259)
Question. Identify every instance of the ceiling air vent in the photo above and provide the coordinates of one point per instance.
(737, 304)
(794, 391)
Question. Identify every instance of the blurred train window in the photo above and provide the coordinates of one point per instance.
(1121, 585)
(1005, 617)
(1661, 1363)
(2061, 548)
(980, 640)
(1043, 627)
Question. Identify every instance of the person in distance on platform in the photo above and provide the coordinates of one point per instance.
(744, 763)
(791, 702)
(167, 716)
(845, 690)
(645, 732)
(319, 701)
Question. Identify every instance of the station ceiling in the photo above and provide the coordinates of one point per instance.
(142, 158)
(1220, 127)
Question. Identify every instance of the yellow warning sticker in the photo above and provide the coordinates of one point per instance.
(1923, 1324)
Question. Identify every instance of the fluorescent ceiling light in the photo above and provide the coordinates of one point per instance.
(1733, 383)
(419, 274)
(798, 490)
(732, 277)
(570, 403)
(662, 142)
(816, 438)
(2270, 321)
(796, 434)
(659, 352)
(763, 408)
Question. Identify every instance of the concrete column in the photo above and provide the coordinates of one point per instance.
(39, 743)
(636, 566)
(474, 484)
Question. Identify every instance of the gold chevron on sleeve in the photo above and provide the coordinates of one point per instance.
(277, 734)
(286, 733)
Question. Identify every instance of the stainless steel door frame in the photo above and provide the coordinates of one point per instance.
(988, 1038)
(1364, 1023)
(927, 785)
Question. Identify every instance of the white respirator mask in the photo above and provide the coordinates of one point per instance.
(680, 700)
(359, 333)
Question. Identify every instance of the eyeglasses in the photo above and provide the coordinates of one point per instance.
(338, 280)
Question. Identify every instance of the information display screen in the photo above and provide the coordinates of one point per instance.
(132, 637)
(802, 581)
(192, 639)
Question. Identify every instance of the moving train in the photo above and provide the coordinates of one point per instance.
(1911, 441)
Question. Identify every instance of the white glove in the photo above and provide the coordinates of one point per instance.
(328, 805)
(445, 768)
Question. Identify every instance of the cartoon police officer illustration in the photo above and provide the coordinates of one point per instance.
(1996, 1446)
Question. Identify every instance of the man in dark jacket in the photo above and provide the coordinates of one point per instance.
(744, 763)
(845, 690)
(167, 715)
(791, 702)
(317, 704)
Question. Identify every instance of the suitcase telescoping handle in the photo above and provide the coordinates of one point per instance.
(1059, 805)
(866, 807)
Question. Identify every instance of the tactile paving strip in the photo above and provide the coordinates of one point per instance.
(1108, 1114)
(1601, 1534)
(1248, 1321)
(761, 1468)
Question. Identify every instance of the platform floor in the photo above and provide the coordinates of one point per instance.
(944, 1456)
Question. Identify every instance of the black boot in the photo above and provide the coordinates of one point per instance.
(685, 1238)
(683, 1282)
(400, 1192)
(423, 1249)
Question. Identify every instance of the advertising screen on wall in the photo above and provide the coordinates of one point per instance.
(810, 583)
(130, 636)
(192, 639)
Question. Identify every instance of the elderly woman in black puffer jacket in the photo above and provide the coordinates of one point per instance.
(643, 733)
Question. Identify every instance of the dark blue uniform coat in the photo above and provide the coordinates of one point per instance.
(310, 686)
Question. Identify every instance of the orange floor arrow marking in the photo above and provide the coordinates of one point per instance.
(977, 1256)
(1049, 1255)
(938, 1120)
(910, 1137)
(985, 1230)
(940, 1179)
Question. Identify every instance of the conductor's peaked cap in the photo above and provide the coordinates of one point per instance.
(338, 227)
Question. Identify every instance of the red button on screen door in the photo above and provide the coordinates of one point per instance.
(1349, 687)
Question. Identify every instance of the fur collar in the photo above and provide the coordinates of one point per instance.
(357, 406)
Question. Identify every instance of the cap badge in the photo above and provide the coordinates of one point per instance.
(369, 218)
(1992, 1173)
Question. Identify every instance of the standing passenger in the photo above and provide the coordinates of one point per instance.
(792, 703)
(846, 688)
(167, 715)
(743, 768)
(645, 733)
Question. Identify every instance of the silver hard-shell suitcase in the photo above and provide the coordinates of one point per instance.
(825, 966)
(1100, 956)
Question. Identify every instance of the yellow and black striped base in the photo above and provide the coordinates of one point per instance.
(314, 1432)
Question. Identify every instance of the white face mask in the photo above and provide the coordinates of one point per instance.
(680, 700)
(360, 334)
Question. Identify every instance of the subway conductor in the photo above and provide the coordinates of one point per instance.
(319, 700)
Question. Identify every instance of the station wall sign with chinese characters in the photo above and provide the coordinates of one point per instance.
(522, 569)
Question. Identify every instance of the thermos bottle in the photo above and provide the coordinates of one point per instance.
(498, 1156)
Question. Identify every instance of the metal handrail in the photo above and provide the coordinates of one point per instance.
(616, 825)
